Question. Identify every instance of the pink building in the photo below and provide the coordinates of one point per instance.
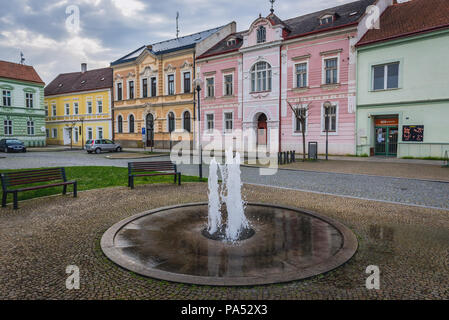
(252, 77)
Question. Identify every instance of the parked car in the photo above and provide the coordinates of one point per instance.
(100, 145)
(12, 145)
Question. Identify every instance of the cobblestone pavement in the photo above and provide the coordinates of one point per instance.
(43, 237)
(408, 191)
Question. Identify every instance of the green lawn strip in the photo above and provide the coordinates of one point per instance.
(90, 177)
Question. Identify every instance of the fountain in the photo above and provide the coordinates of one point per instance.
(227, 241)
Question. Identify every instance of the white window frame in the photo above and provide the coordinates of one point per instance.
(226, 131)
(148, 87)
(75, 135)
(182, 119)
(29, 99)
(65, 108)
(206, 91)
(54, 110)
(182, 81)
(129, 127)
(97, 101)
(166, 117)
(337, 111)
(150, 90)
(385, 65)
(117, 127)
(76, 108)
(167, 85)
(295, 78)
(54, 133)
(299, 133)
(8, 123)
(206, 122)
(269, 78)
(116, 90)
(323, 69)
(91, 107)
(47, 110)
(30, 127)
(128, 89)
(10, 97)
(98, 133)
(224, 84)
(90, 129)
(47, 133)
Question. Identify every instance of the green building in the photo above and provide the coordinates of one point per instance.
(402, 82)
(22, 112)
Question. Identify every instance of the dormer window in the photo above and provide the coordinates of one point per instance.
(231, 42)
(326, 19)
(261, 34)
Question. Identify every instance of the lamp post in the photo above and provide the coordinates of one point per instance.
(82, 132)
(198, 83)
(327, 105)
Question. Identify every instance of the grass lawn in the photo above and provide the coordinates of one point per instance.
(96, 178)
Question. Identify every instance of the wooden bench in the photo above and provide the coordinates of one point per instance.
(152, 168)
(11, 182)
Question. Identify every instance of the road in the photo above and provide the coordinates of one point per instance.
(398, 190)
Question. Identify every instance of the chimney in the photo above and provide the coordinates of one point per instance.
(83, 67)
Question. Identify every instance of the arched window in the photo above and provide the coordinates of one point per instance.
(261, 34)
(171, 122)
(120, 124)
(186, 123)
(261, 77)
(131, 124)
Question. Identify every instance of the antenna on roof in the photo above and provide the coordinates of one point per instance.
(272, 5)
(22, 58)
(177, 24)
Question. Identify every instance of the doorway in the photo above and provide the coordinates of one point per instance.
(262, 130)
(150, 130)
(386, 137)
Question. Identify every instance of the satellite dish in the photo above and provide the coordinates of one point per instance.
(42, 129)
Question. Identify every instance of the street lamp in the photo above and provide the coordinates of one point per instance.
(198, 83)
(82, 132)
(327, 105)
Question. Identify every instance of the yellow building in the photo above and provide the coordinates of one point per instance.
(78, 107)
(153, 89)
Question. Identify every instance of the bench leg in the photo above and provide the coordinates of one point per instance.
(16, 200)
(176, 175)
(5, 196)
(64, 189)
(179, 178)
(75, 189)
(131, 182)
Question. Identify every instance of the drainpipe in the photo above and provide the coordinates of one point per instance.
(112, 110)
(194, 101)
(280, 95)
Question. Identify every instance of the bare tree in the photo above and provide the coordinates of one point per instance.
(301, 113)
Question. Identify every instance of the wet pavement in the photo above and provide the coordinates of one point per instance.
(38, 241)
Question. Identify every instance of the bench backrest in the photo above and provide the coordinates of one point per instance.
(135, 167)
(17, 178)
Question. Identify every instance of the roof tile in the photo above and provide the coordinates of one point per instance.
(17, 71)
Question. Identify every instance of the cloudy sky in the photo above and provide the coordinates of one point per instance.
(109, 29)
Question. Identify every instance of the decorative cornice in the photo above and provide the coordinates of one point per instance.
(326, 53)
(303, 57)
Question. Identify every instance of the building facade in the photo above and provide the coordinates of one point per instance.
(22, 104)
(78, 107)
(403, 92)
(153, 90)
(279, 65)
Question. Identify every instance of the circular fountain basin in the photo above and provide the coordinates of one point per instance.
(288, 244)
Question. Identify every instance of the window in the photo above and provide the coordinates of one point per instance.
(330, 118)
(171, 122)
(99, 133)
(131, 124)
(326, 20)
(7, 125)
(99, 106)
(386, 76)
(171, 84)
(46, 110)
(261, 35)
(54, 133)
(231, 42)
(30, 127)
(53, 109)
(186, 121)
(131, 90)
(75, 135)
(210, 87)
(47, 133)
(301, 75)
(210, 122)
(144, 88)
(153, 87)
(89, 107)
(228, 121)
(186, 82)
(6, 98)
(228, 85)
(76, 108)
(29, 100)
(331, 70)
(119, 91)
(90, 135)
(261, 77)
(67, 109)
(120, 124)
(297, 123)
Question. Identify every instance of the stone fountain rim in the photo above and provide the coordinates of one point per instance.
(346, 252)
